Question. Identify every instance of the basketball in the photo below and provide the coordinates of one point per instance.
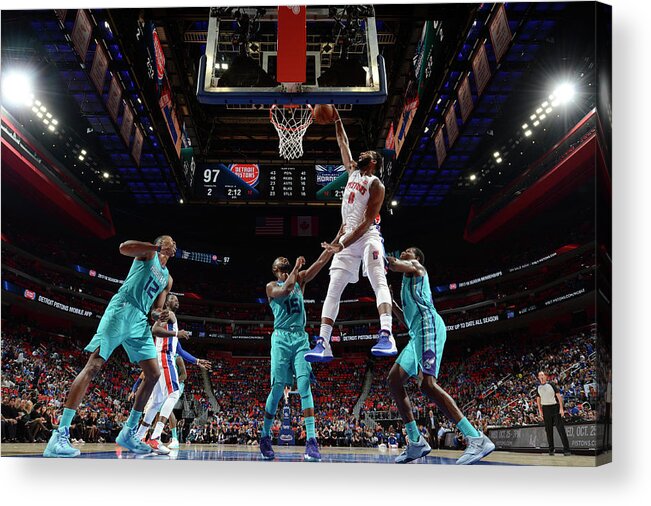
(324, 114)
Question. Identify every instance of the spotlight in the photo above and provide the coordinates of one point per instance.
(532, 117)
(81, 158)
(394, 203)
(17, 88)
(542, 117)
(51, 128)
(564, 93)
(525, 126)
(83, 152)
(528, 133)
(496, 154)
(498, 160)
(473, 177)
(536, 123)
(548, 110)
(180, 201)
(106, 175)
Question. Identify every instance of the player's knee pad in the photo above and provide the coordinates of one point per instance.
(378, 279)
(277, 391)
(339, 278)
(170, 402)
(305, 391)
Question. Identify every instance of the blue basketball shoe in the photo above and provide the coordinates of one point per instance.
(478, 448)
(59, 445)
(312, 451)
(385, 346)
(322, 352)
(266, 448)
(127, 438)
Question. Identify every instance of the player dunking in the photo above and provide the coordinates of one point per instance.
(167, 391)
(124, 323)
(421, 359)
(360, 243)
(289, 341)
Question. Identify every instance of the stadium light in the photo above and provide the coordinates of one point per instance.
(564, 93)
(528, 133)
(473, 177)
(17, 88)
(498, 160)
(180, 201)
(525, 126)
(394, 203)
(106, 175)
(496, 154)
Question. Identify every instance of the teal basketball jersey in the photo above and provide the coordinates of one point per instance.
(289, 311)
(416, 296)
(145, 281)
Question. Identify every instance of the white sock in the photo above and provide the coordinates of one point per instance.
(326, 331)
(142, 430)
(158, 430)
(386, 322)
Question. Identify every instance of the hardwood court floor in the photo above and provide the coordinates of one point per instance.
(295, 454)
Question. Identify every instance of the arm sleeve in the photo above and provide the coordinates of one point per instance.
(136, 384)
(185, 355)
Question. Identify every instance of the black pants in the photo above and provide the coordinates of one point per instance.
(552, 416)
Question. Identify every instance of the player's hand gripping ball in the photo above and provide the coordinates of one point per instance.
(325, 114)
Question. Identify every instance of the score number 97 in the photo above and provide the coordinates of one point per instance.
(210, 176)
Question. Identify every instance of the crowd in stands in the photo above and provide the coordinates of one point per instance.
(493, 382)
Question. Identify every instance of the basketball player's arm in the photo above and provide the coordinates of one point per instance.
(138, 249)
(310, 273)
(159, 303)
(405, 266)
(344, 146)
(376, 198)
(274, 291)
(204, 364)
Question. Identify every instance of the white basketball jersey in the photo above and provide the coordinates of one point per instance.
(355, 200)
(167, 345)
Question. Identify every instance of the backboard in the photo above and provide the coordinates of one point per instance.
(247, 55)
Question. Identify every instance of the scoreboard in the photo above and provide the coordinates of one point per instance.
(246, 182)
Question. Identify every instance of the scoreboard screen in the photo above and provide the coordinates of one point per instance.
(271, 183)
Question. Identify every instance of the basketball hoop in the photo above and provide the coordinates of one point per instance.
(291, 122)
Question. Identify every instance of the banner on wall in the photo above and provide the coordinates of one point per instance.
(99, 68)
(127, 124)
(81, 33)
(500, 33)
(464, 96)
(168, 109)
(439, 143)
(451, 125)
(114, 99)
(136, 149)
(481, 69)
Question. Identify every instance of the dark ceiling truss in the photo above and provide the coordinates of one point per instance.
(422, 182)
(152, 182)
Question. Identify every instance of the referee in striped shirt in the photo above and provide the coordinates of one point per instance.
(550, 408)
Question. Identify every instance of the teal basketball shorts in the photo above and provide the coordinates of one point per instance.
(287, 350)
(123, 324)
(424, 350)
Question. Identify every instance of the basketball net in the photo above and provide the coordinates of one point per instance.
(291, 123)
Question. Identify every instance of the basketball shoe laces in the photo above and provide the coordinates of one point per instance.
(64, 439)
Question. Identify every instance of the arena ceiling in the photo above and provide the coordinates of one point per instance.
(543, 49)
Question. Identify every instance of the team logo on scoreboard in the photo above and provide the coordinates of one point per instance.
(326, 174)
(247, 172)
(29, 295)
